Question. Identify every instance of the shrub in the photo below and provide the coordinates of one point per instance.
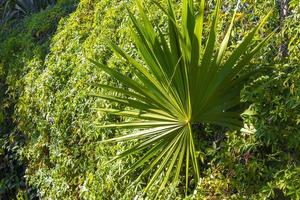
(65, 157)
(22, 43)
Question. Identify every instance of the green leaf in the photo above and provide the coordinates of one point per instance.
(182, 82)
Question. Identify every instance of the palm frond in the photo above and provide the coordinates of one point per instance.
(183, 82)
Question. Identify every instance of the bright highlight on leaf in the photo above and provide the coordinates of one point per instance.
(183, 83)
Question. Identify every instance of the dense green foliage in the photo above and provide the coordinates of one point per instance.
(23, 42)
(183, 85)
(46, 91)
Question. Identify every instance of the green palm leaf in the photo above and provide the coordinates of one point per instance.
(183, 83)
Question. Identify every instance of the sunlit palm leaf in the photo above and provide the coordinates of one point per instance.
(183, 83)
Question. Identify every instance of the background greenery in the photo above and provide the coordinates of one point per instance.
(49, 121)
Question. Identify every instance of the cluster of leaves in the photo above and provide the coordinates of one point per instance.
(66, 160)
(184, 84)
(11, 9)
(21, 43)
(65, 156)
(262, 163)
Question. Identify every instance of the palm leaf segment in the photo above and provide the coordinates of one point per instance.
(183, 82)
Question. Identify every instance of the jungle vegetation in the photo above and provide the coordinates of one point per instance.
(149, 99)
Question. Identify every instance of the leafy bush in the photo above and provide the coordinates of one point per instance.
(21, 44)
(53, 108)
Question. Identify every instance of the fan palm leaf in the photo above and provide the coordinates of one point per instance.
(182, 83)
